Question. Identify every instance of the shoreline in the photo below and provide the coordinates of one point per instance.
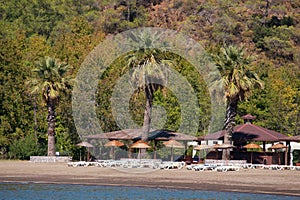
(260, 181)
(147, 186)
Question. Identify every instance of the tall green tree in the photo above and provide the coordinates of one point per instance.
(148, 64)
(239, 80)
(50, 80)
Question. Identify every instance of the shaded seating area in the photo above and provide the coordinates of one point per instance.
(249, 133)
(136, 153)
(155, 139)
(253, 147)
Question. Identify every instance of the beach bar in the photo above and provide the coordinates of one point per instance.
(250, 133)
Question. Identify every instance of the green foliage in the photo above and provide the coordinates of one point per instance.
(238, 78)
(296, 155)
(63, 141)
(25, 147)
(123, 15)
(70, 29)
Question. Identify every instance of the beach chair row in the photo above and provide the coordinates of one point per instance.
(236, 167)
(214, 167)
(172, 165)
(270, 167)
(81, 164)
(131, 163)
(125, 163)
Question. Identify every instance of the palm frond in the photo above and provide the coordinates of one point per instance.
(50, 78)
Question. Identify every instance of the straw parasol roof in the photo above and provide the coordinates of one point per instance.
(114, 143)
(140, 145)
(252, 146)
(203, 146)
(173, 143)
(84, 144)
(223, 146)
(278, 146)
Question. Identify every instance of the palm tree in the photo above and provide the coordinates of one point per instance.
(49, 81)
(239, 80)
(149, 72)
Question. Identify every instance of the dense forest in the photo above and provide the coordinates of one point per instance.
(68, 30)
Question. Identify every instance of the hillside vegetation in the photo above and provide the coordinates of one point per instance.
(68, 30)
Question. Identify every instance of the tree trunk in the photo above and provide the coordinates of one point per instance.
(51, 127)
(51, 145)
(147, 113)
(229, 125)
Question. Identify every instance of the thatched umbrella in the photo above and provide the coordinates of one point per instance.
(278, 146)
(252, 146)
(173, 144)
(140, 145)
(202, 147)
(85, 144)
(113, 144)
(223, 146)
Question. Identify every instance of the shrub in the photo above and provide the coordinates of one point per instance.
(25, 147)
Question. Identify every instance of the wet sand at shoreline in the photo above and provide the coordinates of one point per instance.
(279, 182)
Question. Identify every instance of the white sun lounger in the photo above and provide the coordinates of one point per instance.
(205, 167)
(77, 164)
(279, 167)
(226, 168)
(172, 165)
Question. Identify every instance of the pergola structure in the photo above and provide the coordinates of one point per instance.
(126, 134)
(136, 134)
(249, 132)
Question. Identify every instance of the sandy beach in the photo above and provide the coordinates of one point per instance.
(279, 182)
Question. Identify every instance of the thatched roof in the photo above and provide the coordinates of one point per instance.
(126, 134)
(170, 135)
(135, 134)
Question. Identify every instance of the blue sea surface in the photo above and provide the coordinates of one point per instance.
(35, 191)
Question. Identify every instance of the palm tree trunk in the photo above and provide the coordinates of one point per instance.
(51, 128)
(229, 125)
(147, 113)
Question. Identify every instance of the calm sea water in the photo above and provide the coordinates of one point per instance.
(55, 191)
